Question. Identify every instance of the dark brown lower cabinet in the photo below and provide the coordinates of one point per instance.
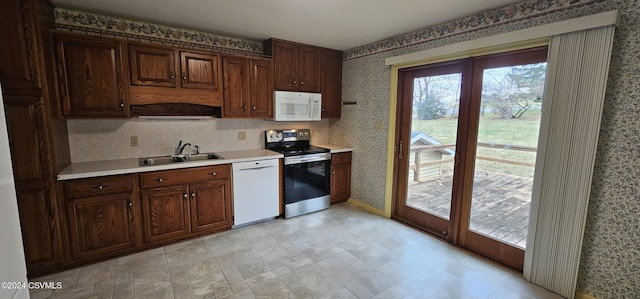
(101, 226)
(165, 213)
(103, 216)
(41, 232)
(177, 204)
(340, 177)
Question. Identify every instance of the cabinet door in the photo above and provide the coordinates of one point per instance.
(200, 71)
(210, 206)
(308, 69)
(236, 86)
(90, 77)
(18, 65)
(340, 182)
(261, 88)
(101, 225)
(40, 228)
(152, 66)
(285, 59)
(165, 213)
(331, 83)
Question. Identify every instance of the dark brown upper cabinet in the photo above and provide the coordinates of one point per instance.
(331, 83)
(248, 87)
(166, 75)
(90, 77)
(18, 58)
(296, 66)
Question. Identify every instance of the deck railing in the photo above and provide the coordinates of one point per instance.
(418, 165)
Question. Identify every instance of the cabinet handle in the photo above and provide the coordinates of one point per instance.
(214, 173)
(160, 180)
(130, 204)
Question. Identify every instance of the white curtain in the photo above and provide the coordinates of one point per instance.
(578, 64)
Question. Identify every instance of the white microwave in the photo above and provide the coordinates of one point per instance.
(297, 106)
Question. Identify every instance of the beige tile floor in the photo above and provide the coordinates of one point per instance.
(343, 252)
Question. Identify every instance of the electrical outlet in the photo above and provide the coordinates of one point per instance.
(134, 140)
(242, 135)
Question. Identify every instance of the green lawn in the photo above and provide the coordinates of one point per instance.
(521, 132)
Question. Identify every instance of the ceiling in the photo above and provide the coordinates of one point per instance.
(337, 24)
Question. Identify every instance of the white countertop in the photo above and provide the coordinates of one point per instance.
(124, 166)
(334, 148)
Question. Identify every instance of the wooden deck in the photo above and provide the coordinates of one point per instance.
(500, 206)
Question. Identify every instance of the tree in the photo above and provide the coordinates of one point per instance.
(431, 108)
(434, 96)
(513, 88)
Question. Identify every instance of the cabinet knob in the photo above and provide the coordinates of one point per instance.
(301, 82)
(160, 180)
(244, 107)
(254, 108)
(172, 76)
(100, 187)
(333, 172)
(322, 109)
(184, 77)
(295, 82)
(214, 173)
(130, 204)
(193, 194)
(185, 195)
(121, 105)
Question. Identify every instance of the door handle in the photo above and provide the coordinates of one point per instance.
(400, 149)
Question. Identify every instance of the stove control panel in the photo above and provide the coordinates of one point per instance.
(287, 135)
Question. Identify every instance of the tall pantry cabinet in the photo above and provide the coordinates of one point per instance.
(38, 142)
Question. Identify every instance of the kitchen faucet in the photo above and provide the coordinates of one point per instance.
(180, 148)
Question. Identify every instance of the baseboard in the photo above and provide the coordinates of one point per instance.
(365, 206)
(581, 295)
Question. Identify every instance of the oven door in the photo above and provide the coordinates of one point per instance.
(306, 177)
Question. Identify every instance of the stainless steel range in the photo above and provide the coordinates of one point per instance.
(306, 171)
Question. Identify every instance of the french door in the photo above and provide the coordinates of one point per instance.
(467, 132)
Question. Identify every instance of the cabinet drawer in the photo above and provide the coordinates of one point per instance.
(98, 186)
(182, 176)
(341, 158)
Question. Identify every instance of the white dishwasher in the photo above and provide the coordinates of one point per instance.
(255, 191)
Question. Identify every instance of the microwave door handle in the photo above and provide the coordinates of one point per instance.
(311, 108)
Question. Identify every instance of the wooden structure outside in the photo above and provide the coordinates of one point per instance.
(427, 156)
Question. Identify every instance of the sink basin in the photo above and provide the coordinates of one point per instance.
(162, 160)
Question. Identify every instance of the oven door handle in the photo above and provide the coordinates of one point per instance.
(307, 159)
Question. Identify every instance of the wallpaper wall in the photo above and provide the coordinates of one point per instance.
(610, 261)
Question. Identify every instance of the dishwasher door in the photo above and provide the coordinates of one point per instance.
(255, 191)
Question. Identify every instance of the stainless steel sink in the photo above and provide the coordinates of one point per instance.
(162, 160)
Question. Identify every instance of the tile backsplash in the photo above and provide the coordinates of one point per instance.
(95, 140)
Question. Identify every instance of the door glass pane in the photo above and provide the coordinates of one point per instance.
(436, 101)
(506, 151)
